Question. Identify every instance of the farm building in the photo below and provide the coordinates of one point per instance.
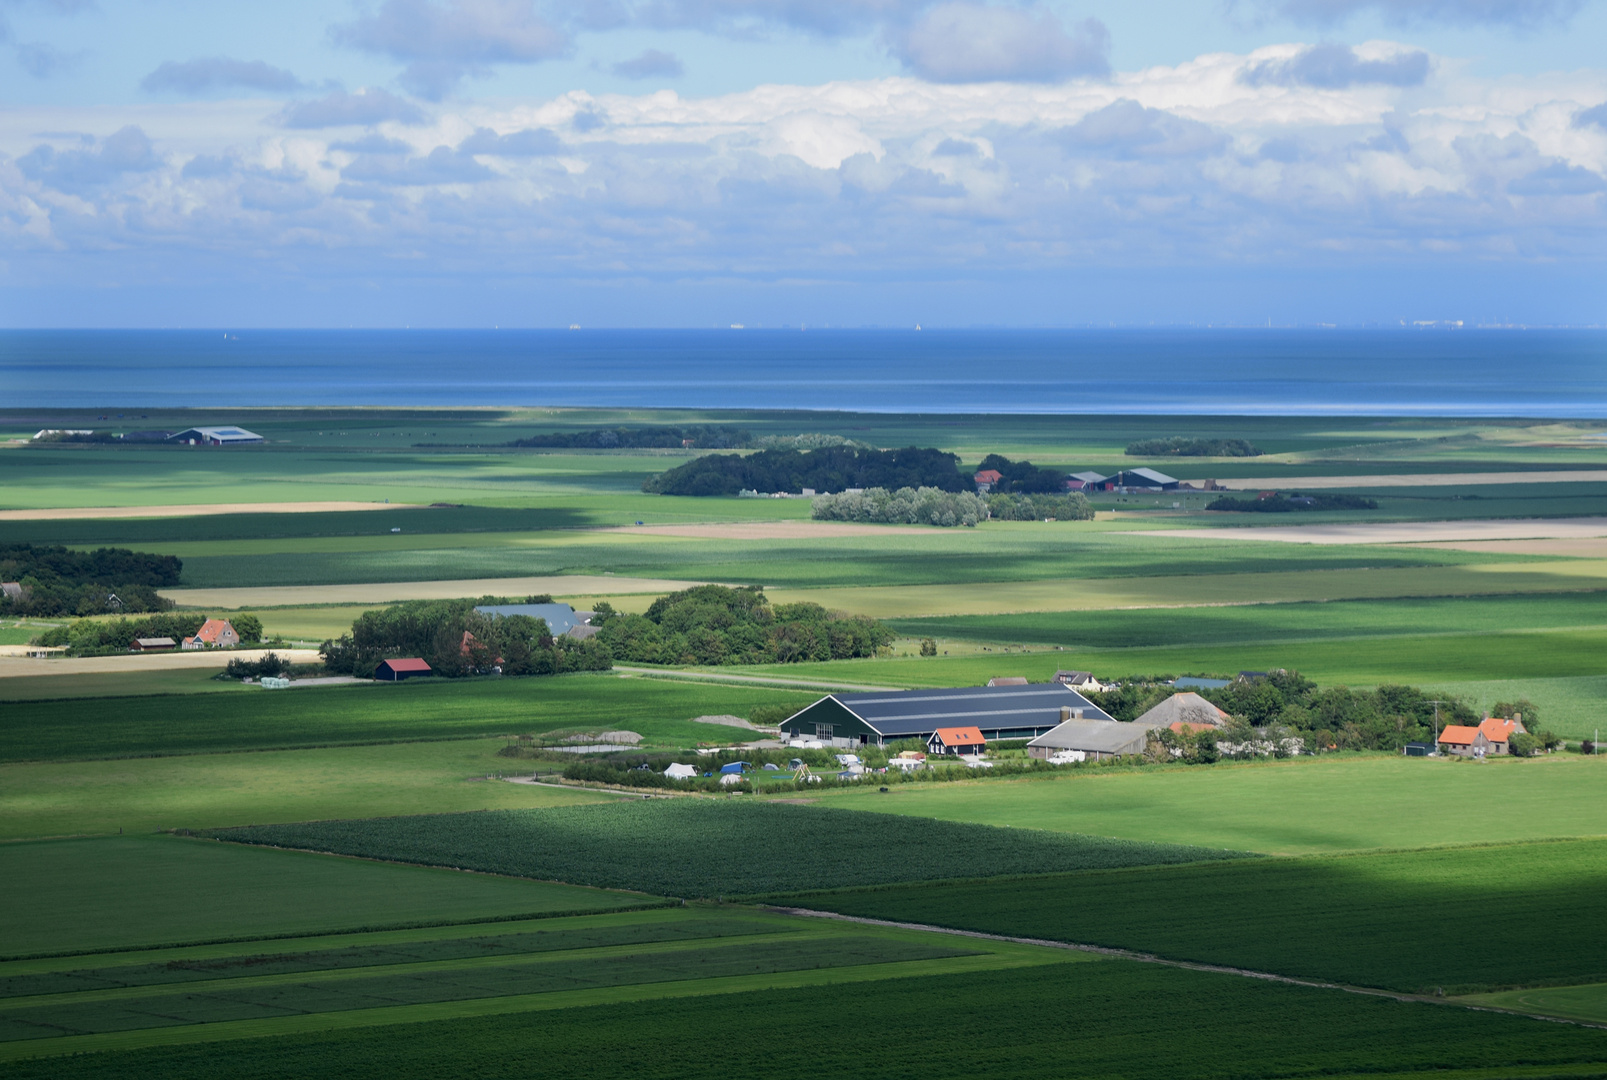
(1141, 480)
(215, 436)
(1081, 681)
(153, 644)
(11, 590)
(987, 478)
(998, 712)
(1418, 749)
(561, 618)
(1085, 481)
(1094, 739)
(1500, 732)
(1007, 680)
(1184, 712)
(956, 740)
(1464, 741)
(397, 670)
(214, 634)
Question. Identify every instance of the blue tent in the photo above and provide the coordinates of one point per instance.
(738, 767)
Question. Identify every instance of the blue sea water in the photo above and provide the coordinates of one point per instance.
(1553, 373)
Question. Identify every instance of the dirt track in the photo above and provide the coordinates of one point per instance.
(1303, 483)
(583, 585)
(72, 513)
(96, 665)
(771, 530)
(1412, 532)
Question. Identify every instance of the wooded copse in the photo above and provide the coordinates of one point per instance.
(59, 581)
(1181, 446)
(906, 506)
(712, 624)
(455, 640)
(827, 469)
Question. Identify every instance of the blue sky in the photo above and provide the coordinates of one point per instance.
(845, 162)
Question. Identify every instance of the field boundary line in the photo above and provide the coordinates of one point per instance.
(1187, 965)
(763, 680)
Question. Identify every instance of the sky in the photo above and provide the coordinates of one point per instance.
(802, 162)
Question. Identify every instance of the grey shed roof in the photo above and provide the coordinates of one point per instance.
(1152, 475)
(1089, 477)
(1097, 736)
(229, 434)
(918, 712)
(561, 618)
(1190, 708)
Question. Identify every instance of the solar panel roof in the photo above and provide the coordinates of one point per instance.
(912, 712)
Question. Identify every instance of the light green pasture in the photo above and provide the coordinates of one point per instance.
(1296, 807)
(1587, 1003)
(142, 795)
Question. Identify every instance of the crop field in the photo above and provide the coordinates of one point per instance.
(127, 892)
(1399, 920)
(704, 848)
(191, 791)
(1026, 1022)
(1403, 617)
(1587, 1003)
(257, 987)
(658, 709)
(1301, 806)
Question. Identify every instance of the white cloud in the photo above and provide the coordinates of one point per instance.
(1193, 164)
(1512, 13)
(1335, 67)
(442, 43)
(960, 41)
(218, 72)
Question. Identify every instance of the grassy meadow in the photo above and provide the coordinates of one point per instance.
(390, 962)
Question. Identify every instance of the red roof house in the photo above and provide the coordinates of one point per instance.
(214, 634)
(987, 478)
(1464, 741)
(956, 740)
(1499, 732)
(397, 670)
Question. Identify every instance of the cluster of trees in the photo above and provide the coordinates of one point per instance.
(455, 640)
(712, 624)
(1283, 504)
(57, 581)
(1178, 446)
(1072, 506)
(705, 436)
(829, 468)
(906, 506)
(1286, 711)
(1023, 477)
(103, 637)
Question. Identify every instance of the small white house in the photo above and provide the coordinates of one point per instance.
(681, 772)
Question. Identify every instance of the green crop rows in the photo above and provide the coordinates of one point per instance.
(1093, 1020)
(1452, 919)
(694, 847)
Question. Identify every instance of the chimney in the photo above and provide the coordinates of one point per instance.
(1076, 714)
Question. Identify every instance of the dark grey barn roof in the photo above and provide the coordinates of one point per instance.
(913, 712)
(561, 618)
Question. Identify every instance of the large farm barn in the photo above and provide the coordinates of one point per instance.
(1000, 712)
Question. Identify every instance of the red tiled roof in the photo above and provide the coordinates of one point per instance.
(960, 736)
(989, 476)
(1498, 730)
(1456, 733)
(411, 664)
(211, 629)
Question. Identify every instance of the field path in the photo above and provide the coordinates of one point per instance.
(73, 513)
(1188, 965)
(130, 663)
(1410, 532)
(1291, 483)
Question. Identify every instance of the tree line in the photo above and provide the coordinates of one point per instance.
(826, 469)
(103, 637)
(1180, 446)
(59, 581)
(455, 640)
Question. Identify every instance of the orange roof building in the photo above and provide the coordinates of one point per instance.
(1465, 741)
(214, 634)
(956, 740)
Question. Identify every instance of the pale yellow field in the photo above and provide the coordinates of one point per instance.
(12, 666)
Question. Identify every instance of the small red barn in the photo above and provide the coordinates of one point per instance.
(397, 670)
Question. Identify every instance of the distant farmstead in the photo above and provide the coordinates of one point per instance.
(215, 436)
(153, 644)
(997, 712)
(397, 670)
(214, 634)
(956, 740)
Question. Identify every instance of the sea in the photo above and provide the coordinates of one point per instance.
(1390, 372)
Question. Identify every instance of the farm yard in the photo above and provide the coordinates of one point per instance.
(355, 887)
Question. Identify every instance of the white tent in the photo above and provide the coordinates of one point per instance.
(681, 772)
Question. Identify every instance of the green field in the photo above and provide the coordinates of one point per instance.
(1454, 919)
(75, 798)
(1063, 1020)
(658, 709)
(709, 848)
(1340, 802)
(1587, 1003)
(143, 892)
